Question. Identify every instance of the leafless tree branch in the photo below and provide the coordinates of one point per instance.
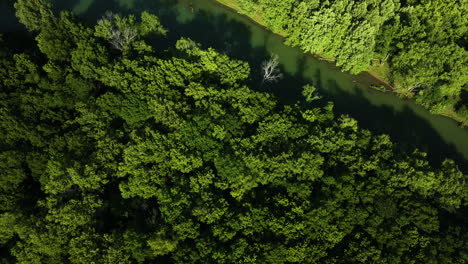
(270, 70)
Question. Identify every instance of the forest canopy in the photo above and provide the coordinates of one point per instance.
(115, 151)
(419, 46)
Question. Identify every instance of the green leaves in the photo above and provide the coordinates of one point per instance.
(172, 158)
(34, 14)
(354, 56)
(7, 222)
(161, 247)
(419, 45)
(12, 175)
(150, 25)
(122, 33)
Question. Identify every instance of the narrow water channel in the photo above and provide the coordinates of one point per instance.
(213, 25)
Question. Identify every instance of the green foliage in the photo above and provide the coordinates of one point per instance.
(123, 32)
(34, 14)
(276, 13)
(355, 54)
(142, 157)
(424, 42)
(7, 232)
(150, 25)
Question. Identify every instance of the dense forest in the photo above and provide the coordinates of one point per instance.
(117, 151)
(419, 46)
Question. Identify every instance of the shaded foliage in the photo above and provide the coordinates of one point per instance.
(140, 156)
(423, 42)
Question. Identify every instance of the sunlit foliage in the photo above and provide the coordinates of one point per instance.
(137, 156)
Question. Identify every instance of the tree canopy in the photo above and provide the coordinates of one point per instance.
(422, 42)
(132, 154)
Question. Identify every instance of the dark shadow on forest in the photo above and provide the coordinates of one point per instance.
(404, 126)
(8, 20)
(232, 37)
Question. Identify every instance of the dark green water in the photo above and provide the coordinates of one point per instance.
(212, 25)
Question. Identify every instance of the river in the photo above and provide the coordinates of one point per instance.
(214, 25)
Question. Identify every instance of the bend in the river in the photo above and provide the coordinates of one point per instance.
(213, 25)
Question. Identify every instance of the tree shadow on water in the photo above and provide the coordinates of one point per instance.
(404, 126)
(232, 37)
(210, 30)
(8, 21)
(92, 10)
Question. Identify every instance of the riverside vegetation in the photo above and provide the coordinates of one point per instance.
(115, 151)
(417, 46)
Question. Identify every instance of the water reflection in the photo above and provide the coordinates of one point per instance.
(213, 26)
(82, 6)
(126, 4)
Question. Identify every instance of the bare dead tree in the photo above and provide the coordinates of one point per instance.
(116, 39)
(270, 70)
(119, 37)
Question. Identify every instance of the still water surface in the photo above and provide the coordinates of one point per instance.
(213, 25)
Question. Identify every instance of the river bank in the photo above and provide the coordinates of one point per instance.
(379, 72)
(376, 73)
(213, 25)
